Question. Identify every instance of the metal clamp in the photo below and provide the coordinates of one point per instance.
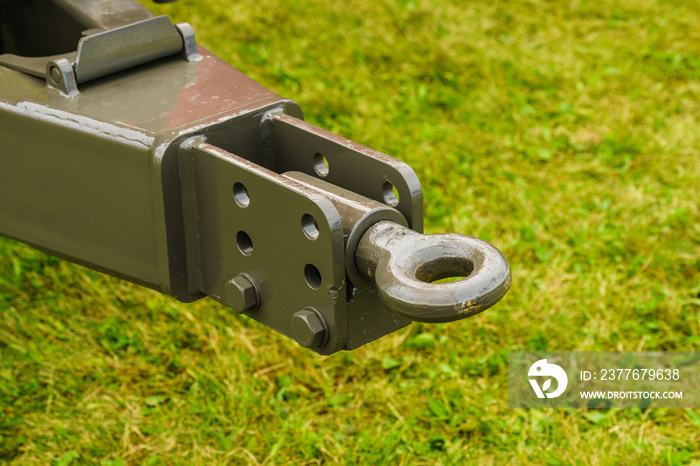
(404, 264)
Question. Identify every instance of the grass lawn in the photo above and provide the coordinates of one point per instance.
(567, 133)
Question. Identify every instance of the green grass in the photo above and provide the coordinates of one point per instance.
(566, 133)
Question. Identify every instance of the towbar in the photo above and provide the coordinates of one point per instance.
(129, 149)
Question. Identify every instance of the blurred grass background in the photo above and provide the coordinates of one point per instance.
(565, 132)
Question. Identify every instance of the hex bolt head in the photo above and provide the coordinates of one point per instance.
(309, 328)
(241, 294)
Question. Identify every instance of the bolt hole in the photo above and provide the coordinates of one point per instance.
(240, 194)
(310, 226)
(313, 276)
(445, 270)
(391, 194)
(320, 164)
(245, 244)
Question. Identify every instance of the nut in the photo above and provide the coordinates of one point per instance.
(309, 328)
(242, 294)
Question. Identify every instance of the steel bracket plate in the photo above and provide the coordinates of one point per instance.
(295, 145)
(241, 218)
(352, 166)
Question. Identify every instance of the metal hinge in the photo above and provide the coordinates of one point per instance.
(102, 53)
